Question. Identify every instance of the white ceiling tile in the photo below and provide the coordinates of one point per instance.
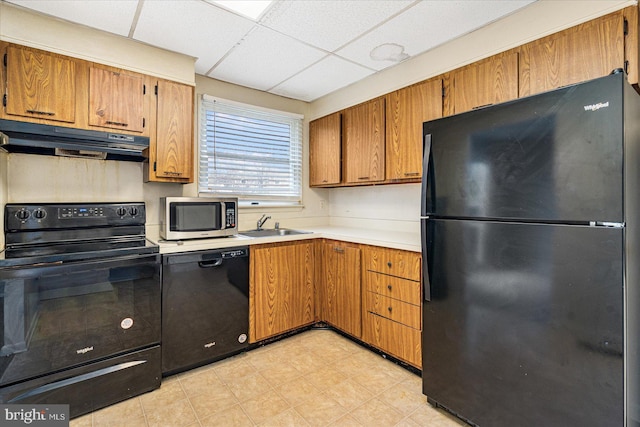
(274, 58)
(427, 25)
(114, 16)
(192, 27)
(329, 24)
(328, 75)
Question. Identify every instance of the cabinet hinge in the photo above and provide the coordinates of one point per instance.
(154, 166)
(4, 100)
(156, 89)
(625, 27)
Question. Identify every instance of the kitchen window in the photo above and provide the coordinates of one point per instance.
(250, 152)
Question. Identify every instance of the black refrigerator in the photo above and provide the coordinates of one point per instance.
(531, 245)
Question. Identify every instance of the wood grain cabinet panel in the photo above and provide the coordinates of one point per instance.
(580, 53)
(489, 81)
(394, 287)
(116, 99)
(395, 338)
(392, 305)
(363, 130)
(325, 145)
(394, 262)
(406, 110)
(281, 289)
(40, 85)
(393, 309)
(171, 149)
(341, 290)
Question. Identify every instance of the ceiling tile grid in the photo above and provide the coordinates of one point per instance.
(301, 49)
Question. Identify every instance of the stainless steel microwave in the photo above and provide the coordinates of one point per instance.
(184, 218)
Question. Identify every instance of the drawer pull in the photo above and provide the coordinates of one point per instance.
(389, 308)
(109, 122)
(389, 287)
(44, 113)
(338, 249)
(389, 264)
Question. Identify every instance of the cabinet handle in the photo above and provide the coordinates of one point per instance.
(338, 249)
(44, 113)
(109, 122)
(363, 177)
(390, 309)
(172, 173)
(389, 287)
(389, 264)
(411, 173)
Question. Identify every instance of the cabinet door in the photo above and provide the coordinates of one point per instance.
(407, 109)
(490, 81)
(174, 133)
(116, 100)
(342, 288)
(364, 133)
(325, 146)
(580, 53)
(282, 292)
(40, 85)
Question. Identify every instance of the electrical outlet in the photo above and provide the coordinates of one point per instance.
(323, 204)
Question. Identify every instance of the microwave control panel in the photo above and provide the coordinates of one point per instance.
(230, 215)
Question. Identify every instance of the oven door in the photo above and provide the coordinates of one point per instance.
(62, 315)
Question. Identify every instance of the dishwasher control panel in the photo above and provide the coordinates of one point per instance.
(235, 253)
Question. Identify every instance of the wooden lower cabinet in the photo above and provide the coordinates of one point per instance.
(281, 292)
(341, 290)
(394, 338)
(392, 304)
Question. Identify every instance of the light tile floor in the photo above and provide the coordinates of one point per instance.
(316, 378)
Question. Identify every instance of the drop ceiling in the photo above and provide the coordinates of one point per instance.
(301, 49)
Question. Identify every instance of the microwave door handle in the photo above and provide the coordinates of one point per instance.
(223, 213)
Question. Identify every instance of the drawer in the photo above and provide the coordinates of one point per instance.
(391, 337)
(398, 311)
(394, 287)
(393, 261)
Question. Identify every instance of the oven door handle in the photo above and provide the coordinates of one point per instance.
(210, 264)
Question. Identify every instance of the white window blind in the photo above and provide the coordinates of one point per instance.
(250, 152)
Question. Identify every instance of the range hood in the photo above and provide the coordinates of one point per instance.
(33, 138)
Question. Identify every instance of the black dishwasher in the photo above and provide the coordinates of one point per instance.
(205, 307)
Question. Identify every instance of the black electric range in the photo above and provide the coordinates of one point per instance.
(80, 305)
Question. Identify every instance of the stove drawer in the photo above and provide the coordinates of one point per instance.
(91, 387)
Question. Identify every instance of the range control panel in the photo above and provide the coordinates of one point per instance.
(20, 217)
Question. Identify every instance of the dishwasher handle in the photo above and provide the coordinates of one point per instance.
(211, 263)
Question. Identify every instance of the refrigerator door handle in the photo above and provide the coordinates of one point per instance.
(427, 175)
(426, 258)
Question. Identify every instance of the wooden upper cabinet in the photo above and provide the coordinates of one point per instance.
(490, 81)
(363, 130)
(580, 53)
(406, 110)
(325, 145)
(116, 100)
(40, 85)
(171, 158)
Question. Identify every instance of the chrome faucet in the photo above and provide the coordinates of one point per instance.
(261, 221)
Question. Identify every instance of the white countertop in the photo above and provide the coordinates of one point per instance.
(389, 239)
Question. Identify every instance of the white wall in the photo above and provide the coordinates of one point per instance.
(315, 210)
